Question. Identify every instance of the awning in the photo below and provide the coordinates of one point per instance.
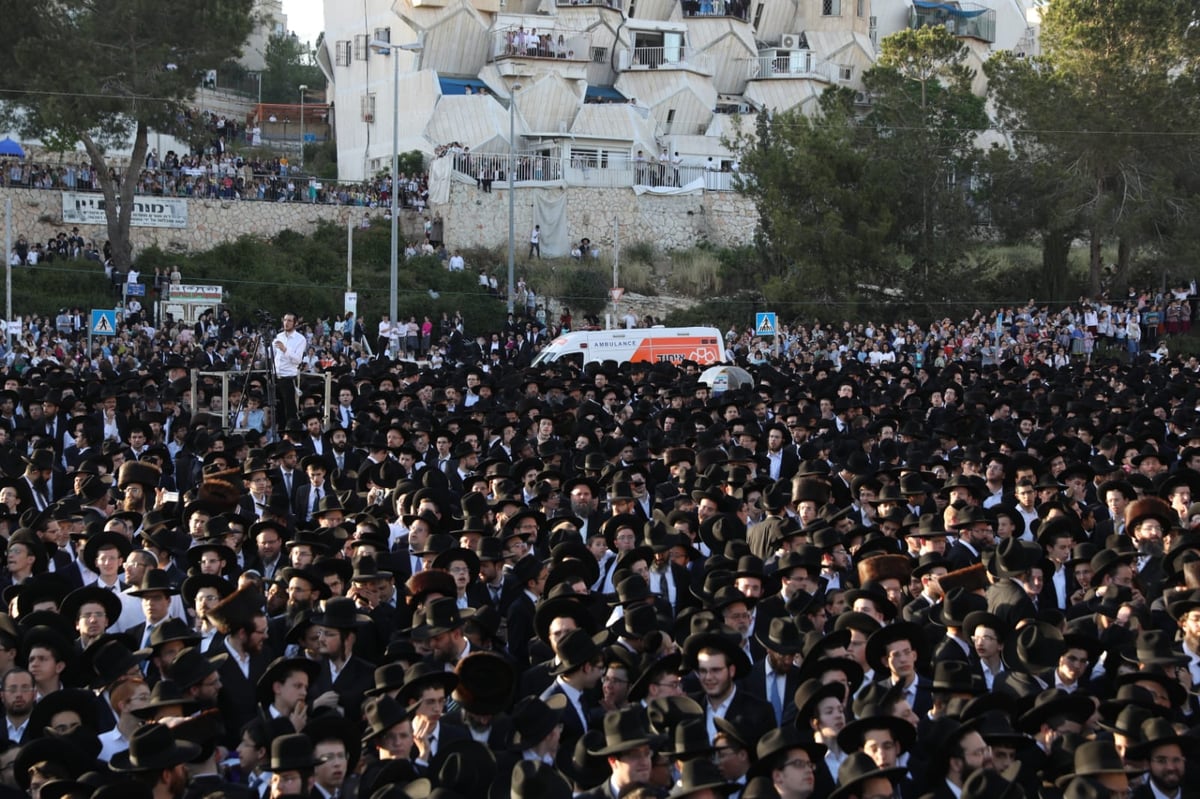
(603, 94)
(949, 8)
(459, 85)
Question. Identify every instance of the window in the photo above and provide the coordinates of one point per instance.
(360, 47)
(368, 107)
(385, 34)
(845, 73)
(862, 8)
(758, 12)
(599, 55)
(831, 8)
(874, 31)
(342, 53)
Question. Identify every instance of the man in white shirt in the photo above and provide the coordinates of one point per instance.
(289, 347)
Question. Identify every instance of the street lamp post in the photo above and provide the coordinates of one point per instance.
(386, 48)
(303, 89)
(512, 169)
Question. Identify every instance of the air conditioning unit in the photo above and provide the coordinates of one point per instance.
(368, 118)
(862, 98)
(792, 41)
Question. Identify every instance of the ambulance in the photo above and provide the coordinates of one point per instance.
(703, 345)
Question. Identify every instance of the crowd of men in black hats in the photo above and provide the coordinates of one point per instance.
(857, 583)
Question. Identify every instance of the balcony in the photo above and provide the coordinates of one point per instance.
(791, 64)
(736, 9)
(539, 43)
(615, 5)
(678, 57)
(961, 19)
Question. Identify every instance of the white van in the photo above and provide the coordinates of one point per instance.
(703, 345)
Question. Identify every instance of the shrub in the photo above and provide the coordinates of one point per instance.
(696, 273)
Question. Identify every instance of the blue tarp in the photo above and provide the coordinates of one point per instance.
(459, 85)
(604, 93)
(950, 9)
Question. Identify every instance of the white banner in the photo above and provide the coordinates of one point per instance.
(88, 209)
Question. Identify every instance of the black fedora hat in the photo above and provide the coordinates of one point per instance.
(534, 718)
(857, 769)
(292, 752)
(109, 660)
(1095, 758)
(168, 631)
(782, 636)
(420, 676)
(191, 666)
(811, 693)
(388, 677)
(533, 779)
(166, 694)
(953, 610)
(440, 616)
(576, 649)
(381, 713)
(278, 668)
(780, 741)
(562, 602)
(879, 641)
(59, 750)
(624, 730)
(652, 668)
(690, 740)
(155, 581)
(341, 613)
(1156, 732)
(91, 594)
(80, 700)
(872, 715)
(152, 748)
(1034, 648)
(701, 775)
(104, 539)
(486, 683)
(1055, 702)
(958, 677)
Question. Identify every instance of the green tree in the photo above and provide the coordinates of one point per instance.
(288, 66)
(824, 220)
(1107, 114)
(102, 72)
(923, 123)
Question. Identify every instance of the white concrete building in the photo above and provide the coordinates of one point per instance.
(601, 80)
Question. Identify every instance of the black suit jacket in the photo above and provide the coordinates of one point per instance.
(747, 712)
(755, 684)
(238, 700)
(1008, 600)
(355, 679)
(520, 627)
(959, 557)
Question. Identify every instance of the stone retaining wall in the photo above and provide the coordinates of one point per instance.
(471, 218)
(671, 222)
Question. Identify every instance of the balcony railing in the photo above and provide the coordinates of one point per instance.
(616, 172)
(960, 19)
(613, 4)
(640, 58)
(738, 9)
(793, 64)
(540, 43)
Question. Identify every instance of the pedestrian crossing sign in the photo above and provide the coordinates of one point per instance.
(104, 322)
(764, 323)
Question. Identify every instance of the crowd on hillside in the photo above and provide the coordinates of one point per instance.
(224, 177)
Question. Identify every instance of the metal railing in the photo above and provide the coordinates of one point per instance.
(616, 171)
(681, 57)
(976, 22)
(737, 9)
(540, 43)
(613, 4)
(791, 64)
(495, 167)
